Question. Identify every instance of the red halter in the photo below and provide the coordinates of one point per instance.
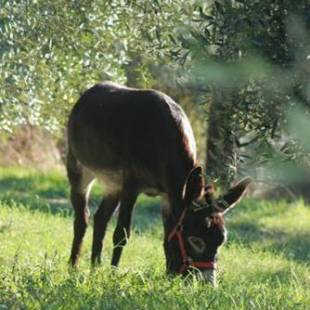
(187, 260)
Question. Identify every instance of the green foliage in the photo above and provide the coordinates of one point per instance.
(265, 264)
(251, 58)
(53, 50)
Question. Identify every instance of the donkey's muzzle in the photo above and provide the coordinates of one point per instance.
(208, 275)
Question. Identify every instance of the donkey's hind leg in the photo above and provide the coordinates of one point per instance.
(81, 180)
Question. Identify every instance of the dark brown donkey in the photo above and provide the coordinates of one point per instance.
(140, 141)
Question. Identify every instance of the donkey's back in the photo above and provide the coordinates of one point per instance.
(118, 132)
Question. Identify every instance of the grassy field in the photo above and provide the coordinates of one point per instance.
(264, 265)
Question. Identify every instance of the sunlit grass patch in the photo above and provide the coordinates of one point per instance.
(264, 265)
(279, 228)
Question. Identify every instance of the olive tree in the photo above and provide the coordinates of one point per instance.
(251, 60)
(53, 50)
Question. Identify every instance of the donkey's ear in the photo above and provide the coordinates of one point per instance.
(194, 186)
(234, 195)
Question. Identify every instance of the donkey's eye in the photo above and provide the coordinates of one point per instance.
(208, 222)
(197, 244)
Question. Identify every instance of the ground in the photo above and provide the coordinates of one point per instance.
(264, 265)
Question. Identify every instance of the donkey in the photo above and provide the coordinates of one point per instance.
(140, 141)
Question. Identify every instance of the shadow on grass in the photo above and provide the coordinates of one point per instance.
(34, 202)
(36, 192)
(49, 194)
(293, 245)
(147, 215)
(40, 185)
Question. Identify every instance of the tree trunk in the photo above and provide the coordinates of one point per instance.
(220, 144)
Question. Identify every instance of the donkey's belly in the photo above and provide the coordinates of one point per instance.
(111, 180)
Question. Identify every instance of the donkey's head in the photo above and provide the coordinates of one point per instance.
(197, 234)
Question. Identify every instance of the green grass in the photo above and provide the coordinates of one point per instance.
(264, 265)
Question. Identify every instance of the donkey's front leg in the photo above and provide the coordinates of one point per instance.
(122, 230)
(101, 219)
